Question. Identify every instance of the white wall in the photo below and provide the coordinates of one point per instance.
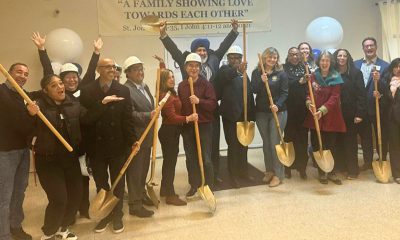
(19, 18)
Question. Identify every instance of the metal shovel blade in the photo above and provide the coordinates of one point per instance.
(324, 160)
(245, 132)
(102, 205)
(150, 23)
(382, 171)
(207, 195)
(152, 194)
(285, 152)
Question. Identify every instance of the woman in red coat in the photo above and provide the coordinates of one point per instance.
(326, 83)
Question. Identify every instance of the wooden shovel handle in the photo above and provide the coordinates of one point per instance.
(136, 146)
(378, 121)
(40, 114)
(271, 101)
(196, 131)
(155, 130)
(310, 90)
(244, 76)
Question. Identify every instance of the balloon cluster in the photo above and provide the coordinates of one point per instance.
(64, 46)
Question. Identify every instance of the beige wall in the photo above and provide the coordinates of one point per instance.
(19, 18)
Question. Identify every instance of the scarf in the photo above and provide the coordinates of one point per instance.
(295, 70)
(332, 79)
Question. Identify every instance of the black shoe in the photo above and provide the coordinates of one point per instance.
(102, 225)
(332, 177)
(397, 180)
(147, 200)
(19, 234)
(118, 226)
(141, 212)
(288, 173)
(303, 175)
(323, 179)
(191, 194)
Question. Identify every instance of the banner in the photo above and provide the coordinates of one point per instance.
(122, 17)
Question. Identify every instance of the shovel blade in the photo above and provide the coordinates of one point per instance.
(382, 171)
(152, 195)
(207, 195)
(324, 160)
(102, 205)
(245, 132)
(285, 153)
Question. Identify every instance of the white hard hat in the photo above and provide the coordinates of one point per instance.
(193, 57)
(132, 60)
(235, 49)
(69, 67)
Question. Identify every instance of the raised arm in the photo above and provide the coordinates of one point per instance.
(40, 41)
(90, 74)
(229, 39)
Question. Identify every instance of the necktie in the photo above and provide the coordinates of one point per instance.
(203, 71)
(143, 91)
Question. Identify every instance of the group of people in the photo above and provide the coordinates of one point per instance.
(102, 120)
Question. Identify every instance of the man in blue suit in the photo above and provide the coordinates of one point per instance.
(372, 67)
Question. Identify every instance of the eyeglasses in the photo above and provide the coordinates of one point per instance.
(108, 66)
(293, 54)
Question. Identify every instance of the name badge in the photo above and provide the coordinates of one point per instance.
(274, 78)
(77, 93)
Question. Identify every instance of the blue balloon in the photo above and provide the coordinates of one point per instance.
(316, 52)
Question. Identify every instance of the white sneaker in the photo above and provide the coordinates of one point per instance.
(65, 234)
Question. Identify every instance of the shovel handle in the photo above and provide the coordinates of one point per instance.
(40, 114)
(157, 24)
(316, 122)
(378, 121)
(196, 131)
(136, 146)
(244, 76)
(271, 101)
(155, 130)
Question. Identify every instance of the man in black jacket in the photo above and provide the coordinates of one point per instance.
(15, 129)
(111, 136)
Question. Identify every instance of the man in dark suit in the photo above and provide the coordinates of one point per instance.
(372, 67)
(228, 86)
(142, 111)
(111, 136)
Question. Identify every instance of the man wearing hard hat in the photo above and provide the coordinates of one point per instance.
(228, 86)
(205, 101)
(142, 111)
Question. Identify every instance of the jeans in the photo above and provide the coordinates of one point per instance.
(14, 170)
(192, 164)
(270, 136)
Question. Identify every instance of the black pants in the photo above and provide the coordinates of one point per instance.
(364, 129)
(237, 153)
(345, 150)
(136, 178)
(169, 139)
(394, 148)
(296, 133)
(216, 126)
(328, 143)
(84, 207)
(60, 177)
(101, 165)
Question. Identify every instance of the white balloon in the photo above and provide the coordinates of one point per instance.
(64, 45)
(56, 67)
(324, 33)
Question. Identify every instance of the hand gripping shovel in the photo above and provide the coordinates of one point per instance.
(105, 201)
(245, 130)
(150, 184)
(40, 114)
(284, 151)
(381, 168)
(152, 23)
(204, 190)
(323, 157)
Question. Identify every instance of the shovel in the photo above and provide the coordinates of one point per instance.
(150, 184)
(204, 190)
(245, 129)
(323, 157)
(284, 151)
(40, 114)
(381, 168)
(104, 202)
(152, 23)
